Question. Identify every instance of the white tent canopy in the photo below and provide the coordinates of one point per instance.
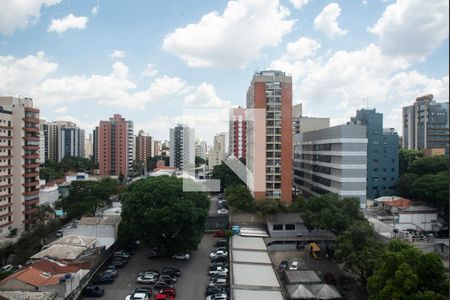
(299, 291)
(325, 291)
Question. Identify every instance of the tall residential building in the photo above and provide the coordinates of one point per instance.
(43, 141)
(19, 163)
(70, 140)
(88, 147)
(217, 154)
(144, 144)
(237, 132)
(182, 148)
(115, 146)
(95, 145)
(425, 124)
(269, 135)
(201, 149)
(332, 160)
(52, 140)
(382, 154)
(156, 148)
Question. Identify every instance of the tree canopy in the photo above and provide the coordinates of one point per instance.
(406, 158)
(331, 213)
(226, 176)
(52, 170)
(151, 162)
(85, 197)
(407, 273)
(358, 249)
(157, 212)
(240, 198)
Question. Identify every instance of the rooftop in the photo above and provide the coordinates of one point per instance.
(75, 240)
(105, 220)
(20, 295)
(289, 218)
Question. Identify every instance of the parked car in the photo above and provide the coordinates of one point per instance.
(104, 279)
(219, 233)
(295, 265)
(167, 291)
(59, 233)
(181, 256)
(146, 290)
(222, 211)
(218, 281)
(138, 296)
(329, 278)
(122, 254)
(224, 248)
(162, 284)
(221, 243)
(117, 263)
(113, 273)
(219, 253)
(168, 278)
(149, 271)
(171, 270)
(112, 268)
(220, 264)
(283, 265)
(346, 282)
(211, 290)
(121, 257)
(6, 268)
(164, 297)
(147, 278)
(219, 296)
(236, 229)
(219, 275)
(220, 259)
(93, 291)
(218, 269)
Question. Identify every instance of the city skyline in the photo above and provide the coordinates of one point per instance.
(138, 60)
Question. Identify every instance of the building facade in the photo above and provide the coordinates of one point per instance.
(144, 144)
(217, 154)
(71, 140)
(88, 147)
(182, 148)
(332, 160)
(201, 149)
(115, 146)
(19, 163)
(156, 148)
(425, 124)
(43, 141)
(382, 154)
(95, 145)
(269, 135)
(237, 133)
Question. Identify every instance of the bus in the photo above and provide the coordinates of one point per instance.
(314, 249)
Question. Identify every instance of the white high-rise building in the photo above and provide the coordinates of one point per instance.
(217, 154)
(182, 148)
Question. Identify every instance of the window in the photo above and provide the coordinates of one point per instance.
(290, 226)
(277, 226)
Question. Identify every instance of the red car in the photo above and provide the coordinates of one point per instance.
(219, 233)
(166, 293)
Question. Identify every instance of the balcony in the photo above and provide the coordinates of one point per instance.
(31, 183)
(34, 174)
(5, 185)
(31, 109)
(30, 120)
(29, 166)
(31, 193)
(31, 129)
(6, 205)
(6, 137)
(31, 138)
(6, 127)
(5, 195)
(5, 176)
(30, 156)
(6, 224)
(7, 214)
(31, 202)
(30, 211)
(31, 147)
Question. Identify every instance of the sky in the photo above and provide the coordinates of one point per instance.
(160, 63)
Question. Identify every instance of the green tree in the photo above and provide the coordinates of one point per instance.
(137, 169)
(199, 161)
(406, 158)
(407, 273)
(359, 250)
(267, 206)
(331, 212)
(226, 176)
(406, 183)
(429, 165)
(85, 197)
(239, 198)
(157, 212)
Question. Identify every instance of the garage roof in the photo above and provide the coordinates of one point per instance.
(254, 275)
(239, 294)
(248, 243)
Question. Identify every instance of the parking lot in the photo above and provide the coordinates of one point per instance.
(190, 286)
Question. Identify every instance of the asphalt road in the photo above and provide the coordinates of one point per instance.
(190, 286)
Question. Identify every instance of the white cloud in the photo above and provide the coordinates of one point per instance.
(61, 110)
(68, 22)
(19, 75)
(18, 14)
(94, 10)
(413, 28)
(234, 38)
(205, 96)
(326, 21)
(88, 126)
(150, 70)
(118, 54)
(298, 4)
(302, 48)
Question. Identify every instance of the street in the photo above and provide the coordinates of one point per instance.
(190, 286)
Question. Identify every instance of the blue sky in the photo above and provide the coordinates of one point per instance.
(158, 62)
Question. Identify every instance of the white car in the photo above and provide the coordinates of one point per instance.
(137, 296)
(218, 281)
(218, 253)
(217, 297)
(295, 265)
(222, 211)
(218, 270)
(7, 268)
(148, 278)
(182, 256)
